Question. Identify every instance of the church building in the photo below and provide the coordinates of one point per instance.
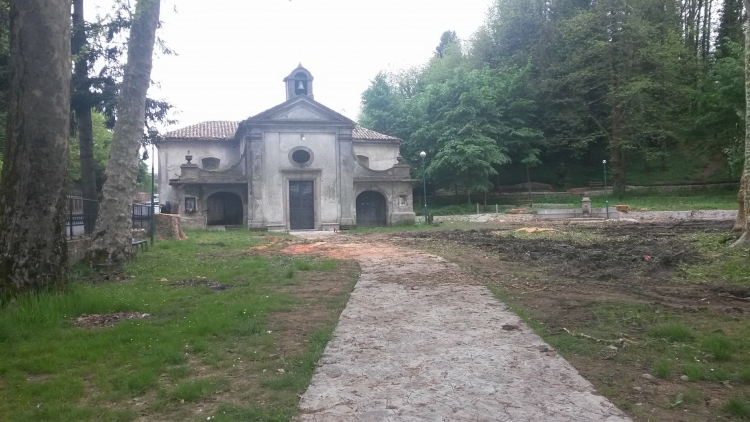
(296, 166)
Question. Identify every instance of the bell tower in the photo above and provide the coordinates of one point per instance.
(299, 82)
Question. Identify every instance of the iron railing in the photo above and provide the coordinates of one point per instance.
(141, 215)
(81, 216)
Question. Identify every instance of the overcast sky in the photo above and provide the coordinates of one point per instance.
(233, 54)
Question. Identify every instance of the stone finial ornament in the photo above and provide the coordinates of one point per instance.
(189, 158)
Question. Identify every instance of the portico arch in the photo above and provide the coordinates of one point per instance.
(224, 209)
(371, 209)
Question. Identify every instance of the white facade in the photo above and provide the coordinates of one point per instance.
(299, 165)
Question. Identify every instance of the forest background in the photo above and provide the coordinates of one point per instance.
(548, 89)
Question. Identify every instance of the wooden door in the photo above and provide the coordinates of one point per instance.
(301, 205)
(216, 210)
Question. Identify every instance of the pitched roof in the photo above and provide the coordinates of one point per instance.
(225, 131)
(332, 114)
(360, 133)
(205, 131)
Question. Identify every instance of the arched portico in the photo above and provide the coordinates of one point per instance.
(371, 209)
(224, 209)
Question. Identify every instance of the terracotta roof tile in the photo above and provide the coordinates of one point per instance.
(206, 131)
(225, 130)
(370, 135)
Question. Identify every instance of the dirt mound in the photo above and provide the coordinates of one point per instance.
(632, 250)
(94, 321)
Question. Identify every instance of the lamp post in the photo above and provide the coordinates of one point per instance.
(153, 132)
(606, 193)
(424, 184)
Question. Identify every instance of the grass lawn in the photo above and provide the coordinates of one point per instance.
(233, 334)
(724, 199)
(654, 201)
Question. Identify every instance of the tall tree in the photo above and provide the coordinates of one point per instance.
(33, 251)
(111, 243)
(82, 105)
(448, 38)
(744, 194)
(4, 67)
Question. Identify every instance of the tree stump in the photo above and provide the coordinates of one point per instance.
(168, 226)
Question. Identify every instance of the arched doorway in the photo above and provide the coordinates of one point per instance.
(224, 209)
(371, 210)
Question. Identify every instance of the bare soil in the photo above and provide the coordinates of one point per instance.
(560, 284)
(94, 321)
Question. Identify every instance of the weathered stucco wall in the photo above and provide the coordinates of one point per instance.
(172, 156)
(278, 169)
(381, 155)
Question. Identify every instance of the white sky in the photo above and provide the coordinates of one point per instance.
(233, 54)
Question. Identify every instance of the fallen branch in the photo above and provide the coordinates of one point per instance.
(621, 340)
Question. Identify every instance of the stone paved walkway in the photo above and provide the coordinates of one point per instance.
(420, 341)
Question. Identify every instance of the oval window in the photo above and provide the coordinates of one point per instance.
(301, 156)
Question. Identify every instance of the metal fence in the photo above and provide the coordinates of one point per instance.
(81, 216)
(141, 215)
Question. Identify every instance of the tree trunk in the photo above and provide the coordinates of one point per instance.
(111, 243)
(82, 110)
(742, 215)
(739, 224)
(33, 250)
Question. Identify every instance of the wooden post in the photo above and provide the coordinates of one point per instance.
(477, 207)
(497, 209)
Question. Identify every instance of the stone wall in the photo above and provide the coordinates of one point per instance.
(77, 248)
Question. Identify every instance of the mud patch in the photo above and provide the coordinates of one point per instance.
(95, 321)
(200, 281)
(628, 252)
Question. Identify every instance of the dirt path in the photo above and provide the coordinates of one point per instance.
(419, 340)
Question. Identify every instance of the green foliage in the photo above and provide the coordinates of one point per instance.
(102, 143)
(738, 407)
(92, 374)
(663, 368)
(633, 82)
(694, 371)
(718, 346)
(469, 121)
(722, 101)
(673, 332)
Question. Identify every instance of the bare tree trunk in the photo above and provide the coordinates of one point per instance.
(82, 110)
(742, 215)
(111, 243)
(739, 224)
(33, 250)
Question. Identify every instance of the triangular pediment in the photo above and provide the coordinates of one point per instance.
(300, 109)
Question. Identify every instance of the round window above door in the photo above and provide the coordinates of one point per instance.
(301, 156)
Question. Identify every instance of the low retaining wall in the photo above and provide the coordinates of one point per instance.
(77, 248)
(574, 214)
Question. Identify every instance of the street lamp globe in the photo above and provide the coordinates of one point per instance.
(423, 154)
(604, 161)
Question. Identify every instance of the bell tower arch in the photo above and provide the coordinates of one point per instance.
(299, 82)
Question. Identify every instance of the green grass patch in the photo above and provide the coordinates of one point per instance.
(663, 368)
(53, 370)
(643, 200)
(672, 332)
(199, 389)
(718, 346)
(738, 407)
(302, 265)
(694, 371)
